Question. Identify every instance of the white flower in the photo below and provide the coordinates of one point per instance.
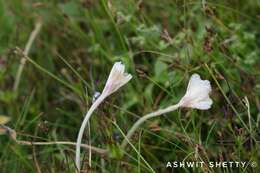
(116, 79)
(197, 94)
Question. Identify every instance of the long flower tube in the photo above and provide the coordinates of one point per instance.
(144, 118)
(117, 78)
(196, 96)
(82, 128)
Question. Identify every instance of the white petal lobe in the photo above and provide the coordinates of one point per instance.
(197, 94)
(117, 78)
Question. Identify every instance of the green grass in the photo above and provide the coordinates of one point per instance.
(162, 43)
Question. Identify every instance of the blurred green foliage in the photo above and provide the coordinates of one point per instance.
(162, 43)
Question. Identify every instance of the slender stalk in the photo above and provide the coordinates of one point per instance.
(139, 154)
(12, 134)
(249, 114)
(227, 99)
(28, 46)
(144, 118)
(82, 128)
(89, 153)
(94, 149)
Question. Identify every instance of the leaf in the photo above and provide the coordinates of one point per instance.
(71, 9)
(148, 93)
(159, 67)
(160, 70)
(4, 119)
(115, 151)
(7, 96)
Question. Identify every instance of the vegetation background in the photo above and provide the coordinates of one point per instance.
(162, 43)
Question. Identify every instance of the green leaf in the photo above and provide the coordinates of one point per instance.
(160, 70)
(159, 67)
(70, 9)
(115, 152)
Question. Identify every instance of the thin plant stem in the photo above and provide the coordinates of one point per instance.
(19, 51)
(139, 155)
(12, 134)
(226, 98)
(82, 128)
(28, 46)
(89, 153)
(144, 118)
(85, 146)
(248, 113)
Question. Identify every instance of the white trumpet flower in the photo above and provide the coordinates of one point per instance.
(197, 94)
(117, 78)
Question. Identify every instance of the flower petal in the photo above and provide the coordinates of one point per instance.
(203, 105)
(117, 78)
(197, 94)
